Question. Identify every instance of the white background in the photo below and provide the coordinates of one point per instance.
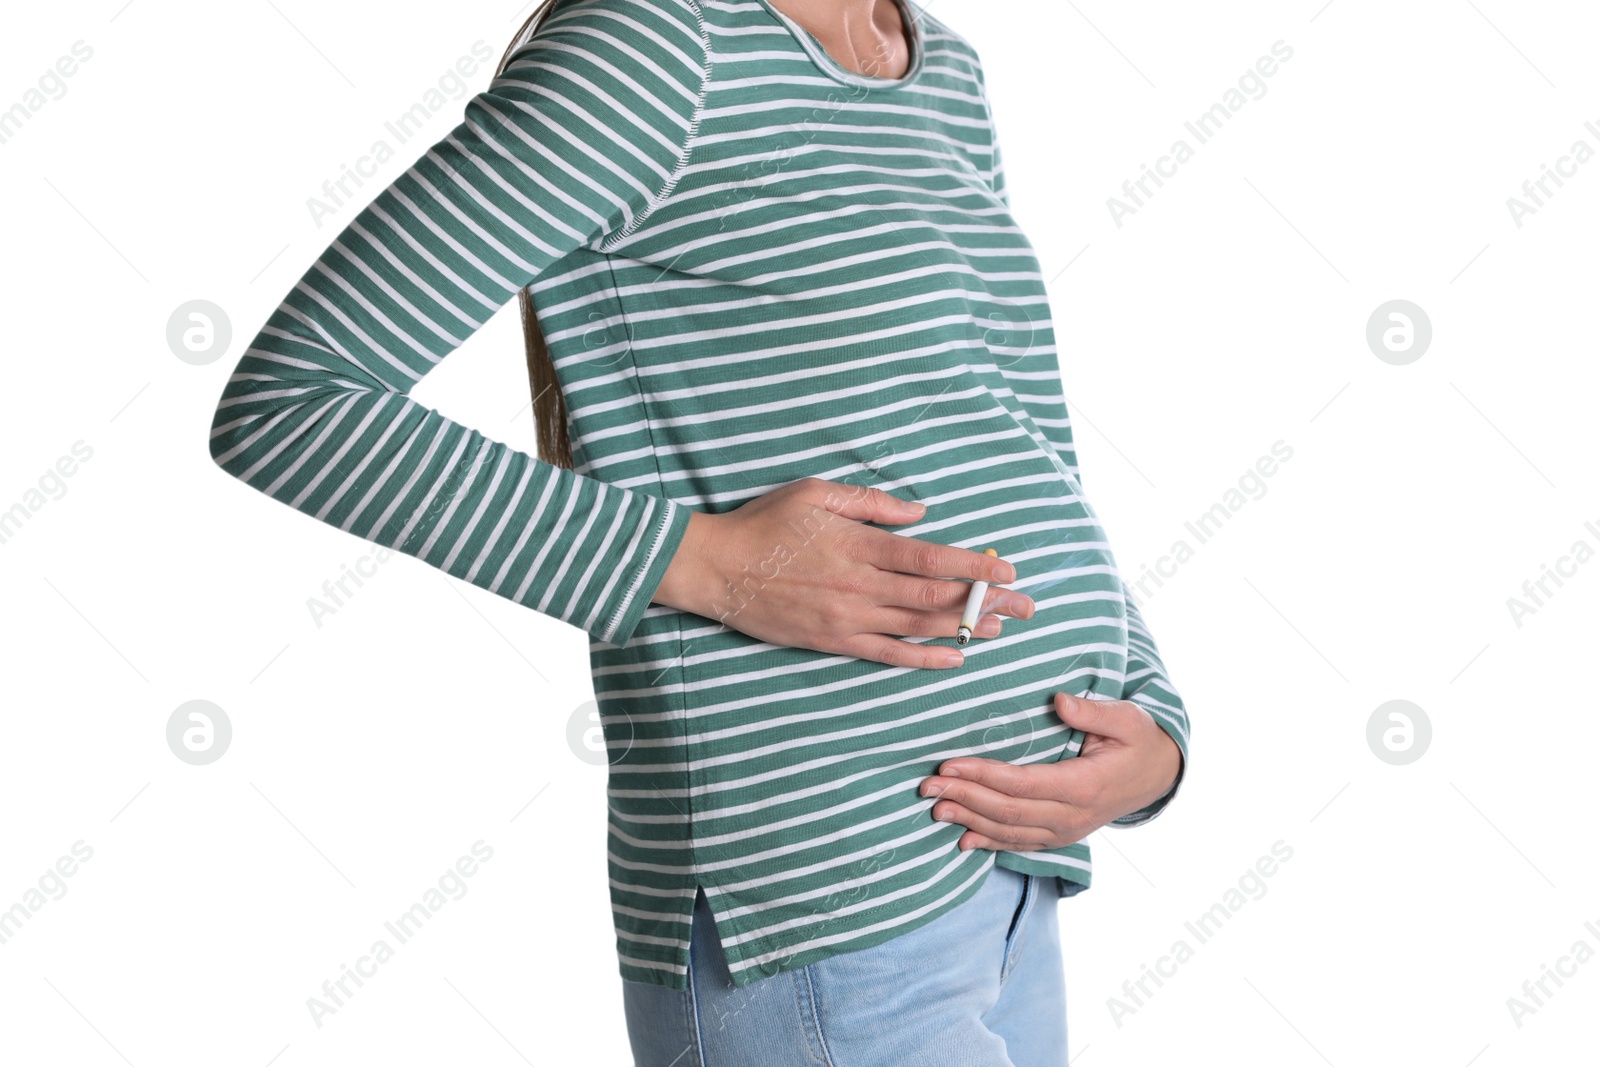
(1227, 314)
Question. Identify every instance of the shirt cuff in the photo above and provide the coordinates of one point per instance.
(636, 598)
(1156, 807)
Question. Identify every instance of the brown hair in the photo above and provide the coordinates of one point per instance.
(549, 408)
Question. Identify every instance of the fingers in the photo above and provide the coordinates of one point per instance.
(885, 648)
(1074, 790)
(929, 559)
(934, 624)
(860, 502)
(972, 839)
(1003, 837)
(1030, 781)
(881, 648)
(864, 590)
(935, 595)
(1121, 719)
(996, 816)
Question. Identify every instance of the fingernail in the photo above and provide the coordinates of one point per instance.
(951, 772)
(954, 659)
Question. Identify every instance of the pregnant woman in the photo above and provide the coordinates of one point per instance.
(794, 371)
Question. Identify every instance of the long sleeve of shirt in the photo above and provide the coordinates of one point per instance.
(1036, 376)
(1148, 686)
(576, 140)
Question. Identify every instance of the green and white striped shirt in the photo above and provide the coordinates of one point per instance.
(752, 265)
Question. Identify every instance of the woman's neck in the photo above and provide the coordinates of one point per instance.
(867, 36)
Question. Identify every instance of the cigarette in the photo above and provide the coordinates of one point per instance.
(969, 617)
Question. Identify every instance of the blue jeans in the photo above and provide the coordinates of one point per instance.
(980, 986)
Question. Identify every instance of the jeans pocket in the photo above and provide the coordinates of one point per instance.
(1019, 919)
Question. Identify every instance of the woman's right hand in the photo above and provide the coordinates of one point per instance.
(797, 567)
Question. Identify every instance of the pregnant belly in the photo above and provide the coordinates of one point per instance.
(763, 759)
(773, 732)
(770, 748)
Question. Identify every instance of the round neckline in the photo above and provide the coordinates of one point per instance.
(838, 71)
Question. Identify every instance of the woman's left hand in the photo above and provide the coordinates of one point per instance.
(1127, 761)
